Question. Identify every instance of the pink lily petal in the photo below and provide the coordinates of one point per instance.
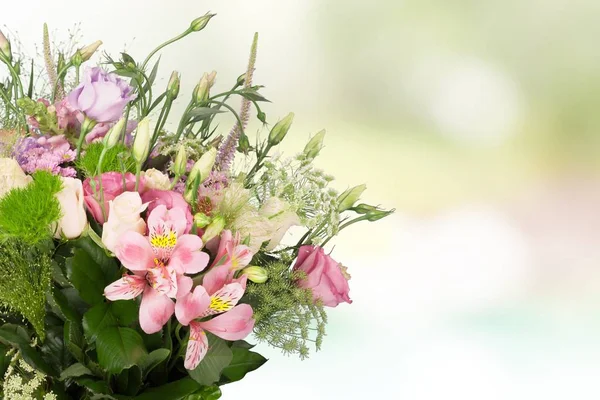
(224, 299)
(187, 257)
(233, 325)
(134, 252)
(184, 285)
(192, 305)
(216, 278)
(197, 346)
(126, 288)
(155, 310)
(226, 239)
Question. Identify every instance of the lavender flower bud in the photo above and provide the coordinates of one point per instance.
(141, 144)
(256, 274)
(314, 146)
(5, 46)
(347, 199)
(280, 129)
(173, 86)
(113, 135)
(200, 23)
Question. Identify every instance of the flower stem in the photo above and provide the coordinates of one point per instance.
(87, 125)
(168, 42)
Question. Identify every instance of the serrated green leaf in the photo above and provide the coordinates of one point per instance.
(73, 340)
(74, 371)
(86, 276)
(217, 358)
(119, 348)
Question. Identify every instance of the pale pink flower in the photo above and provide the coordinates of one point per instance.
(231, 252)
(218, 296)
(158, 262)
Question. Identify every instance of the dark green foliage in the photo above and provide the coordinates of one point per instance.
(28, 213)
(286, 316)
(117, 159)
(25, 278)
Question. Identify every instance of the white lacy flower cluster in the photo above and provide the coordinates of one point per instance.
(306, 189)
(22, 382)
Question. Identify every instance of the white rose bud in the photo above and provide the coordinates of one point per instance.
(154, 179)
(123, 216)
(74, 220)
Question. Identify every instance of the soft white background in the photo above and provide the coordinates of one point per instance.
(452, 305)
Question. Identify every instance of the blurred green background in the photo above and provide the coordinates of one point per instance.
(476, 120)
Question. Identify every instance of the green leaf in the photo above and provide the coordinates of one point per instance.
(17, 336)
(119, 348)
(30, 87)
(4, 359)
(217, 358)
(103, 315)
(87, 277)
(129, 381)
(157, 101)
(65, 308)
(73, 340)
(74, 371)
(153, 359)
(151, 77)
(252, 95)
(244, 361)
(94, 385)
(201, 113)
(109, 265)
(171, 391)
(97, 319)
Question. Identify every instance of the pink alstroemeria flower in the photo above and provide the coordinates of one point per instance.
(218, 295)
(158, 262)
(232, 253)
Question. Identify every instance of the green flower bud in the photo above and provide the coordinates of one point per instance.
(180, 161)
(378, 214)
(141, 144)
(244, 144)
(204, 165)
(280, 129)
(241, 79)
(5, 46)
(364, 209)
(256, 274)
(214, 228)
(200, 23)
(202, 89)
(347, 199)
(262, 117)
(77, 59)
(314, 145)
(173, 86)
(202, 220)
(113, 135)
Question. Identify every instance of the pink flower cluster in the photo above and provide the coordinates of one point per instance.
(160, 263)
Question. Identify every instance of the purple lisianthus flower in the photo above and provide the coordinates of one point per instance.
(101, 96)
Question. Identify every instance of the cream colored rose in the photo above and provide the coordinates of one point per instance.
(154, 179)
(11, 176)
(123, 216)
(74, 220)
(281, 218)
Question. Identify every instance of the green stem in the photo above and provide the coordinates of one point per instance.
(347, 224)
(162, 120)
(168, 42)
(77, 75)
(138, 171)
(86, 127)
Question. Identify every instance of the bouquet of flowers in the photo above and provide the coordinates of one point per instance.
(135, 259)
